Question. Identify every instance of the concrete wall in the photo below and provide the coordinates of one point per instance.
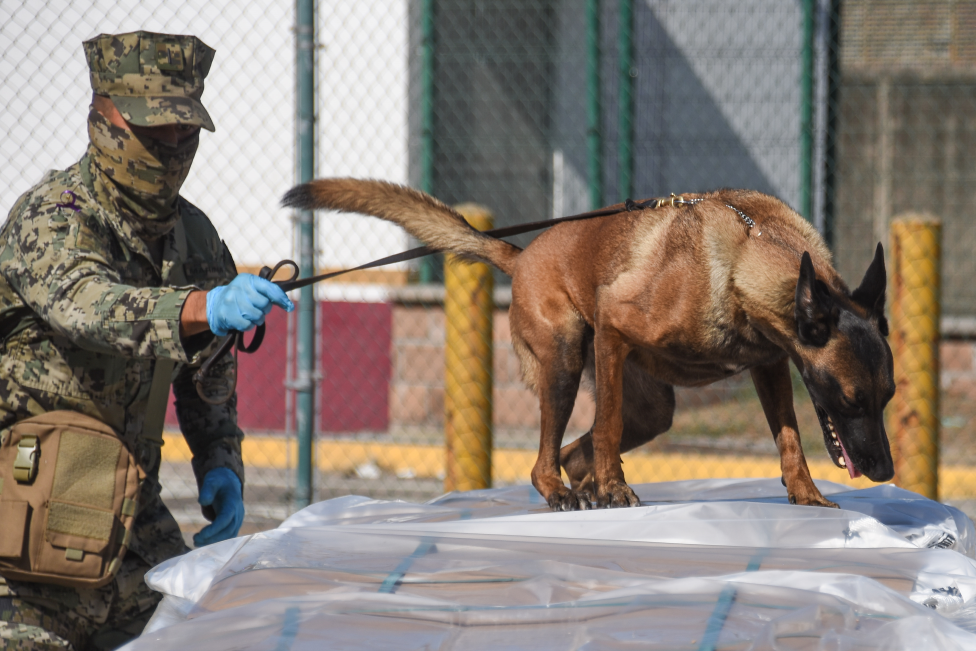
(958, 361)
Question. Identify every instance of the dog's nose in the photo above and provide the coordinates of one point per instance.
(883, 470)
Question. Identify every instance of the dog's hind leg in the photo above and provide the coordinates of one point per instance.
(648, 410)
(775, 389)
(610, 352)
(552, 365)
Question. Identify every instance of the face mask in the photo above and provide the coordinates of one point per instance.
(141, 177)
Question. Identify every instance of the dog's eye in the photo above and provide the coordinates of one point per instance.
(850, 407)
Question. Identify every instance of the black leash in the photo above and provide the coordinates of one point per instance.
(235, 339)
(498, 233)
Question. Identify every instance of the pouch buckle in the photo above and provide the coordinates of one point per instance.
(25, 465)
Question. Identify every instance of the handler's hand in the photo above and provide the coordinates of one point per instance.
(243, 303)
(222, 490)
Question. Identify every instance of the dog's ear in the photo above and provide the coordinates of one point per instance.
(870, 293)
(815, 310)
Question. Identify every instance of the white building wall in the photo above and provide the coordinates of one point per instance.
(362, 127)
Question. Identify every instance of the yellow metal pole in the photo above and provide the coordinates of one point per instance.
(468, 355)
(915, 315)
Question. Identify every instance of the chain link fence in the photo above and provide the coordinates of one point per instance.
(853, 112)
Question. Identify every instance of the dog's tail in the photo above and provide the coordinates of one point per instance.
(420, 214)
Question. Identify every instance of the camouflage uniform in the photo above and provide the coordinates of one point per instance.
(86, 310)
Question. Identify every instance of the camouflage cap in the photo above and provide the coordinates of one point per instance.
(153, 79)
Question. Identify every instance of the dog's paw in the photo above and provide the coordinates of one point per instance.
(570, 500)
(813, 500)
(617, 494)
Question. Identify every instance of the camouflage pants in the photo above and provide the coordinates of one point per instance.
(53, 617)
(42, 616)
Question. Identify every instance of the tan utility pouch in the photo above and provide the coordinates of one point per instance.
(68, 490)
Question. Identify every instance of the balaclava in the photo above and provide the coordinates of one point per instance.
(140, 177)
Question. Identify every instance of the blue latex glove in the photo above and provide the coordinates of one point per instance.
(222, 490)
(243, 303)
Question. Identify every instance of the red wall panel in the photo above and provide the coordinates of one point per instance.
(355, 367)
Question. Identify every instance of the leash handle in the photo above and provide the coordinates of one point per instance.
(235, 341)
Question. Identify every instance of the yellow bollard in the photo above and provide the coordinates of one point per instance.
(468, 355)
(915, 315)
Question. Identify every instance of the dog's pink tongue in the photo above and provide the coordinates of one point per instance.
(851, 470)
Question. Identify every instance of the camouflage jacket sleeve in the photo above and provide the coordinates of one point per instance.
(211, 431)
(68, 267)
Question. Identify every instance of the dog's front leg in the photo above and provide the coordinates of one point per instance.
(775, 389)
(610, 352)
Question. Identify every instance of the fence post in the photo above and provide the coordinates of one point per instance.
(915, 316)
(625, 97)
(469, 308)
(806, 110)
(305, 146)
(427, 269)
(594, 112)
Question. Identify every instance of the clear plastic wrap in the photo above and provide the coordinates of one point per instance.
(702, 565)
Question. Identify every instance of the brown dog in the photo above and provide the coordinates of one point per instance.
(684, 294)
